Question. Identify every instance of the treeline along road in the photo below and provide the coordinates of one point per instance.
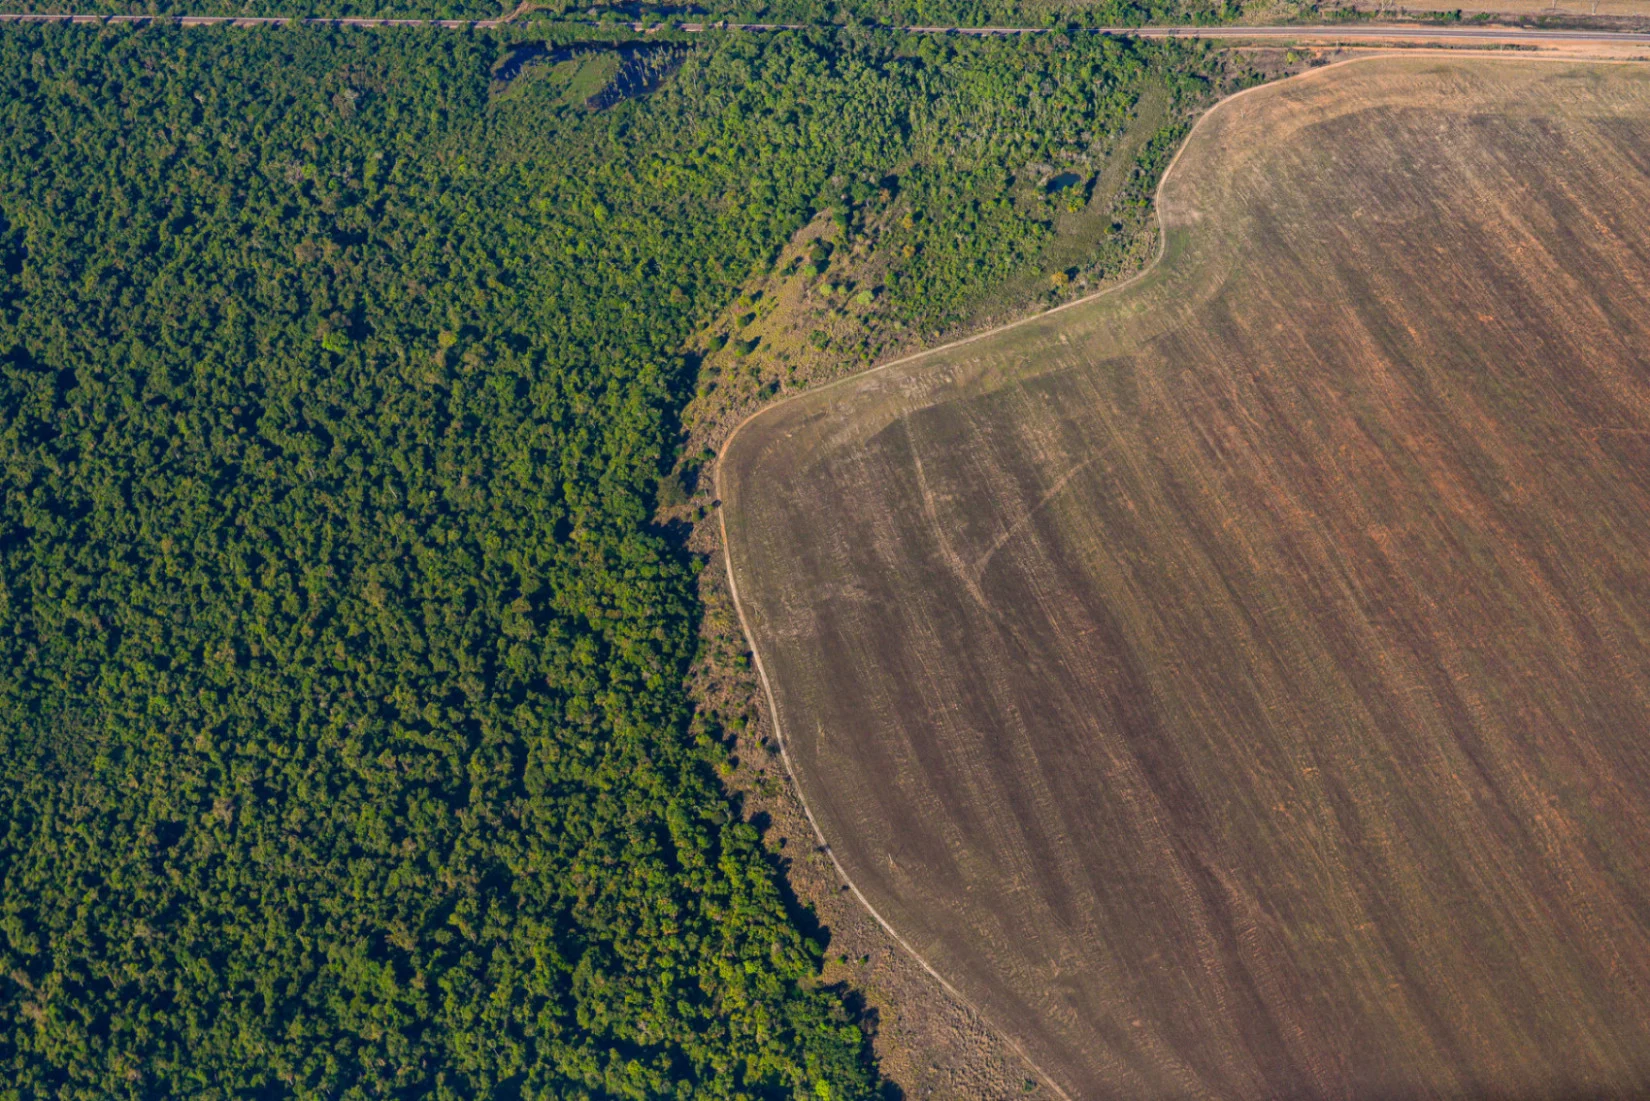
(1384, 33)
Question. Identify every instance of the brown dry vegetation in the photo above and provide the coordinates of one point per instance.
(1239, 685)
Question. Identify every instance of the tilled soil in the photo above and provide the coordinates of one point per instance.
(1239, 685)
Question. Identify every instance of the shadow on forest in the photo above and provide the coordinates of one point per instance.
(642, 66)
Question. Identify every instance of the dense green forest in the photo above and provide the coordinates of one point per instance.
(344, 747)
(962, 13)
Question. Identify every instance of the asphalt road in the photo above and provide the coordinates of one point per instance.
(1405, 32)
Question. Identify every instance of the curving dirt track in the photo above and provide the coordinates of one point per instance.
(1239, 685)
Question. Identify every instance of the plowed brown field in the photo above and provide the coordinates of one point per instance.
(1239, 684)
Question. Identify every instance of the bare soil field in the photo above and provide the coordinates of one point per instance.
(1620, 9)
(1238, 685)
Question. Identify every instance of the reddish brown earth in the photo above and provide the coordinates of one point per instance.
(1239, 685)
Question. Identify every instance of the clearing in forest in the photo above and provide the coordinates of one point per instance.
(1239, 684)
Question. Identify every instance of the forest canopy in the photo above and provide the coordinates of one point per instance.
(344, 747)
(896, 13)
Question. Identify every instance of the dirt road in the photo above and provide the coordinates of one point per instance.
(1419, 34)
(248, 20)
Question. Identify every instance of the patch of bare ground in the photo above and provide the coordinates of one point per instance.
(1238, 685)
(1603, 14)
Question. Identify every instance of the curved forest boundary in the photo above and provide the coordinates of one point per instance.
(1236, 684)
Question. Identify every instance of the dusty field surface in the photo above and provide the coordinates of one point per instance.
(1633, 9)
(1239, 685)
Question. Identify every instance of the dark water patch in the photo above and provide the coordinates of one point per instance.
(1063, 182)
